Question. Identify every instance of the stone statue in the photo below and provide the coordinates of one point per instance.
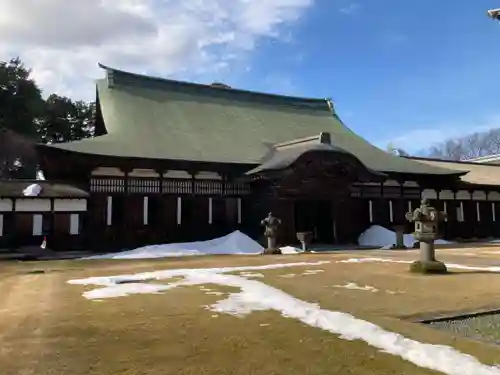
(272, 225)
(426, 219)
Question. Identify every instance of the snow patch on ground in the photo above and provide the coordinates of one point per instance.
(354, 286)
(236, 243)
(32, 190)
(288, 275)
(256, 296)
(250, 275)
(377, 235)
(372, 260)
(312, 272)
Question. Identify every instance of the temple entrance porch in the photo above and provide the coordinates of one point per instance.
(317, 217)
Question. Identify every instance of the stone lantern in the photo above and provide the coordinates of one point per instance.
(305, 239)
(272, 225)
(426, 219)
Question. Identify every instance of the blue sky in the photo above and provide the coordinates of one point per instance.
(408, 72)
(412, 73)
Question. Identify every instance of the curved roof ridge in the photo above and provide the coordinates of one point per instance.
(326, 102)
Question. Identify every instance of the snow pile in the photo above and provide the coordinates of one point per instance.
(32, 190)
(288, 250)
(256, 296)
(234, 243)
(379, 236)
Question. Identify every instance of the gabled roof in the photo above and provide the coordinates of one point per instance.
(157, 118)
(474, 173)
(285, 154)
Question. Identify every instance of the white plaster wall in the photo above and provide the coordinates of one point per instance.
(73, 205)
(479, 195)
(107, 171)
(5, 205)
(391, 183)
(463, 194)
(429, 194)
(144, 173)
(177, 174)
(33, 205)
(494, 196)
(446, 195)
(410, 184)
(208, 176)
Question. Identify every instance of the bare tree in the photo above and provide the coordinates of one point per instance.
(470, 146)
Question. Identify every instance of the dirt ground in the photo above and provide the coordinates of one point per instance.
(47, 327)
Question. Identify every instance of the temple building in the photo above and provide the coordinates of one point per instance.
(176, 161)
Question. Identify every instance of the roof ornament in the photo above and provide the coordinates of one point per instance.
(325, 138)
(494, 14)
(330, 103)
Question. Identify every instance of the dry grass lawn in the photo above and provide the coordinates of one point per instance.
(47, 327)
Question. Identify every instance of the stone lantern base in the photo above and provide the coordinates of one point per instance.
(428, 267)
(399, 230)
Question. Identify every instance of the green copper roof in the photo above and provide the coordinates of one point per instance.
(157, 118)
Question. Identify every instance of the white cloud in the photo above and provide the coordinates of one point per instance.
(350, 9)
(63, 40)
(422, 137)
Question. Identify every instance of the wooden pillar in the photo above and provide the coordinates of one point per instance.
(401, 204)
(145, 210)
(51, 219)
(210, 210)
(179, 211)
(193, 181)
(109, 211)
(283, 209)
(381, 204)
(370, 211)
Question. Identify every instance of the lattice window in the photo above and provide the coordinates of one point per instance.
(180, 186)
(208, 187)
(107, 185)
(355, 191)
(237, 188)
(144, 185)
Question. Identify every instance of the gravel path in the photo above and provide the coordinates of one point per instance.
(484, 328)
